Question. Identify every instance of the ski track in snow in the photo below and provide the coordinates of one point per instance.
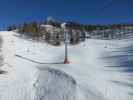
(99, 70)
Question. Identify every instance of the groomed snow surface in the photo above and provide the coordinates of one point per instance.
(98, 70)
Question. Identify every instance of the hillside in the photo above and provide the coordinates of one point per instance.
(98, 70)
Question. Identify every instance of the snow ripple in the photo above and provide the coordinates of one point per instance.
(53, 84)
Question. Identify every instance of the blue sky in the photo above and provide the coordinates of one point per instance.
(84, 11)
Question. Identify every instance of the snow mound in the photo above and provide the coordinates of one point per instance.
(53, 84)
(1, 56)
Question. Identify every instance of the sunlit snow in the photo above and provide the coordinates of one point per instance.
(98, 70)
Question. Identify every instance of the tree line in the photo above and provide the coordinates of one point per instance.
(34, 26)
(76, 30)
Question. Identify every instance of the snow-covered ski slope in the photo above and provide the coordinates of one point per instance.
(99, 70)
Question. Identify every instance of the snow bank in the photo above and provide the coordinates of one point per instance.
(53, 84)
(90, 75)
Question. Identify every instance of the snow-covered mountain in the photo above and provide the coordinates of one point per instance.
(98, 70)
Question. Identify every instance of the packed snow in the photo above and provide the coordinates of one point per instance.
(98, 70)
